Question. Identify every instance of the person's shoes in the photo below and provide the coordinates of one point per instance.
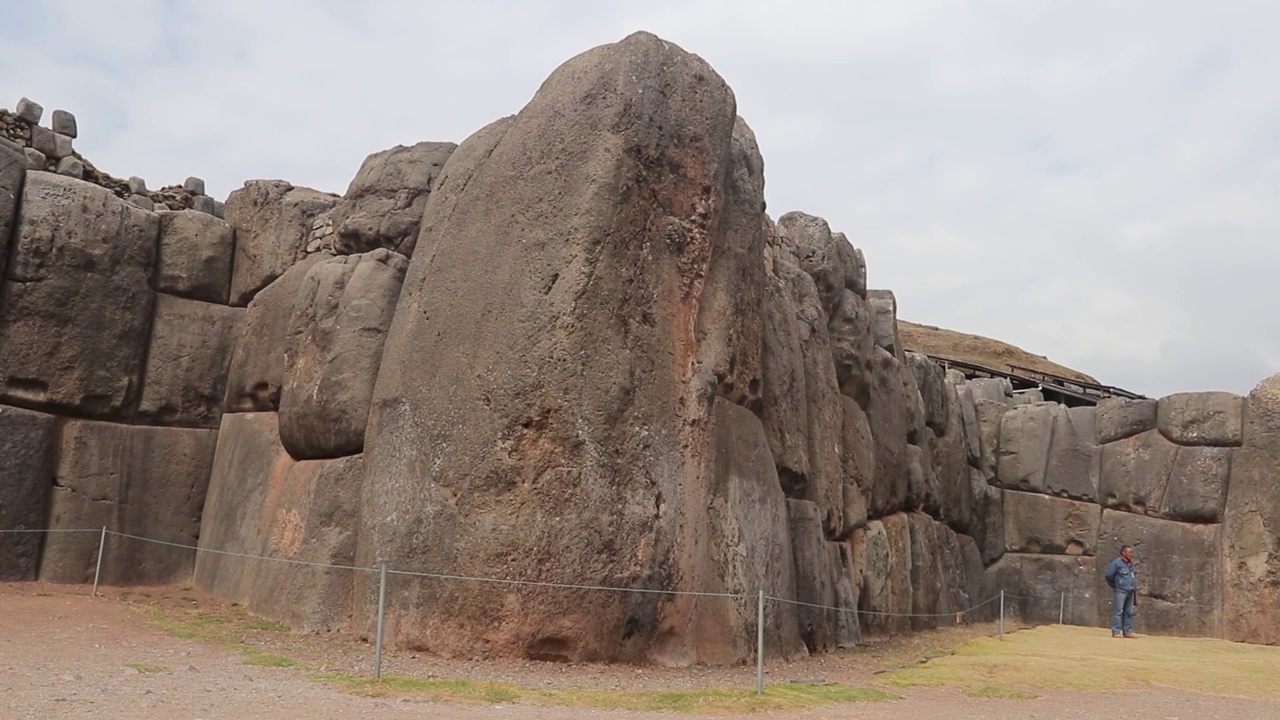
(1130, 636)
(1115, 635)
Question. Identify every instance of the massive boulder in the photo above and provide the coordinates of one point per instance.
(1119, 418)
(256, 374)
(1135, 472)
(852, 345)
(886, 599)
(884, 321)
(1074, 456)
(313, 515)
(1038, 587)
(13, 168)
(890, 426)
(1035, 523)
(186, 376)
(817, 576)
(1251, 537)
(1025, 435)
(195, 256)
(1201, 418)
(273, 221)
(858, 463)
(545, 409)
(144, 482)
(75, 304)
(1197, 489)
(987, 528)
(384, 202)
(26, 474)
(250, 467)
(333, 347)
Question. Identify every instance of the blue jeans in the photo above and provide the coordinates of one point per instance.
(1122, 611)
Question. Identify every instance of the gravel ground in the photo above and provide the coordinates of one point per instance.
(66, 655)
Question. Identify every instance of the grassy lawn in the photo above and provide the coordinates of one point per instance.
(1079, 658)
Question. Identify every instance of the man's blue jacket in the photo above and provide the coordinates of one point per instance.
(1120, 576)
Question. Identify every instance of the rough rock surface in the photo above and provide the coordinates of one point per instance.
(384, 202)
(1197, 490)
(1201, 418)
(311, 518)
(332, 350)
(990, 415)
(76, 301)
(543, 366)
(852, 345)
(1179, 573)
(987, 528)
(249, 469)
(1025, 435)
(256, 373)
(931, 381)
(272, 221)
(926, 571)
(143, 481)
(816, 576)
(1035, 523)
(890, 425)
(191, 346)
(858, 463)
(13, 168)
(1034, 586)
(884, 321)
(1074, 456)
(26, 473)
(1119, 418)
(1135, 472)
(195, 256)
(1251, 540)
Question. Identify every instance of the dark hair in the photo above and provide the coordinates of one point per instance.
(1125, 547)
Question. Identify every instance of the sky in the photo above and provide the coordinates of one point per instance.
(1094, 181)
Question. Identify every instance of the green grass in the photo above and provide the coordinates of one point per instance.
(712, 701)
(254, 656)
(268, 626)
(1076, 658)
(998, 692)
(146, 669)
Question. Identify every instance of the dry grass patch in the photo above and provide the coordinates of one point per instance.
(1076, 658)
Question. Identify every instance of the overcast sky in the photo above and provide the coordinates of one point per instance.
(1095, 181)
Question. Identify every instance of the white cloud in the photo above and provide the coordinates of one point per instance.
(1092, 180)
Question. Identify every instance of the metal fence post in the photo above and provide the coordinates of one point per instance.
(1001, 615)
(760, 644)
(1062, 607)
(97, 571)
(382, 608)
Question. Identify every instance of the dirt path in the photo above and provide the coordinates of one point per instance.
(65, 655)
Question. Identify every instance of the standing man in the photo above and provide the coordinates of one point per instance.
(1124, 587)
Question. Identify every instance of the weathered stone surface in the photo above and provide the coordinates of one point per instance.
(1027, 397)
(256, 374)
(76, 301)
(886, 601)
(1251, 539)
(143, 481)
(249, 469)
(195, 256)
(923, 491)
(13, 168)
(186, 377)
(990, 416)
(819, 255)
(193, 185)
(29, 110)
(1119, 418)
(144, 203)
(312, 517)
(1034, 587)
(71, 167)
(926, 571)
(64, 123)
(987, 527)
(950, 452)
(1197, 490)
(852, 345)
(853, 571)
(998, 390)
(137, 185)
(1178, 568)
(272, 220)
(49, 143)
(931, 381)
(1135, 472)
(1074, 457)
(969, 417)
(384, 202)
(1202, 418)
(542, 354)
(887, 415)
(817, 575)
(1035, 523)
(858, 464)
(884, 321)
(1023, 455)
(953, 591)
(35, 159)
(26, 473)
(977, 585)
(333, 348)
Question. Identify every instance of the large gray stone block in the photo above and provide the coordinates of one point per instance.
(1197, 490)
(1135, 472)
(987, 527)
(26, 474)
(384, 202)
(13, 168)
(1074, 455)
(272, 221)
(1119, 418)
(195, 256)
(332, 351)
(990, 415)
(931, 381)
(1035, 523)
(852, 345)
(256, 373)
(1202, 418)
(858, 463)
(186, 377)
(884, 321)
(75, 306)
(146, 482)
(817, 576)
(1251, 530)
(1037, 587)
(886, 599)
(927, 577)
(890, 426)
(1025, 435)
